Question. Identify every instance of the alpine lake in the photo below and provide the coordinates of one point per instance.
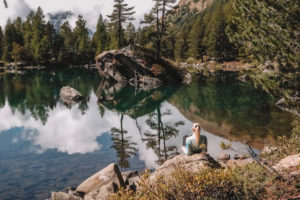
(46, 145)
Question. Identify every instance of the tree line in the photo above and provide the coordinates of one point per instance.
(256, 30)
(37, 41)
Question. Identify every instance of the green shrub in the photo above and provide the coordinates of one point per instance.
(205, 184)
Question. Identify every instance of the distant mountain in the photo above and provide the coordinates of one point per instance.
(57, 19)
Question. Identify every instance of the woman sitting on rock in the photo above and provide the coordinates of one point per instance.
(195, 143)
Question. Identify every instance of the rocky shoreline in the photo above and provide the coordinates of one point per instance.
(109, 180)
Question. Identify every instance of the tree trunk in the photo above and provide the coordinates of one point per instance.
(157, 35)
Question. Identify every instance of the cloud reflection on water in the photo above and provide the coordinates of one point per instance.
(71, 132)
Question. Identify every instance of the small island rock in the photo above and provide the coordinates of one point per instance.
(70, 95)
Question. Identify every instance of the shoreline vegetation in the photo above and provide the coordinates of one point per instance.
(258, 40)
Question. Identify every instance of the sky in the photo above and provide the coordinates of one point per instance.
(89, 9)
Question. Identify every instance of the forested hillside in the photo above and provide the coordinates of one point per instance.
(221, 30)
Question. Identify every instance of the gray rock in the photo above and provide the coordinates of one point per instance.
(240, 156)
(131, 179)
(128, 175)
(231, 164)
(269, 150)
(121, 66)
(224, 156)
(64, 196)
(291, 107)
(191, 163)
(70, 95)
(110, 177)
(187, 78)
(101, 193)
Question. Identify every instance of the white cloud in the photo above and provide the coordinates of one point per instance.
(89, 9)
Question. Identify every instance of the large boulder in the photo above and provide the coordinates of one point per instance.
(131, 179)
(140, 70)
(191, 163)
(70, 95)
(118, 66)
(101, 193)
(288, 163)
(110, 177)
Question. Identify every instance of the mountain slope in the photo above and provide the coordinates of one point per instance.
(199, 5)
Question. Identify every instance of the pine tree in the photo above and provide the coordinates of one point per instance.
(67, 49)
(120, 15)
(38, 26)
(268, 30)
(181, 45)
(218, 44)
(166, 4)
(8, 40)
(27, 36)
(196, 36)
(1, 45)
(123, 145)
(130, 33)
(18, 52)
(18, 34)
(101, 37)
(156, 11)
(47, 43)
(82, 43)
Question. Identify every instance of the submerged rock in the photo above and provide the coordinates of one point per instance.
(70, 95)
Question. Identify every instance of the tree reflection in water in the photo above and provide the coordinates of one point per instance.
(122, 144)
(164, 132)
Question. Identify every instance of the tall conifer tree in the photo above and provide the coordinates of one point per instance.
(101, 37)
(121, 15)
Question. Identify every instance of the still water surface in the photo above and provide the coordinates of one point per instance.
(46, 145)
